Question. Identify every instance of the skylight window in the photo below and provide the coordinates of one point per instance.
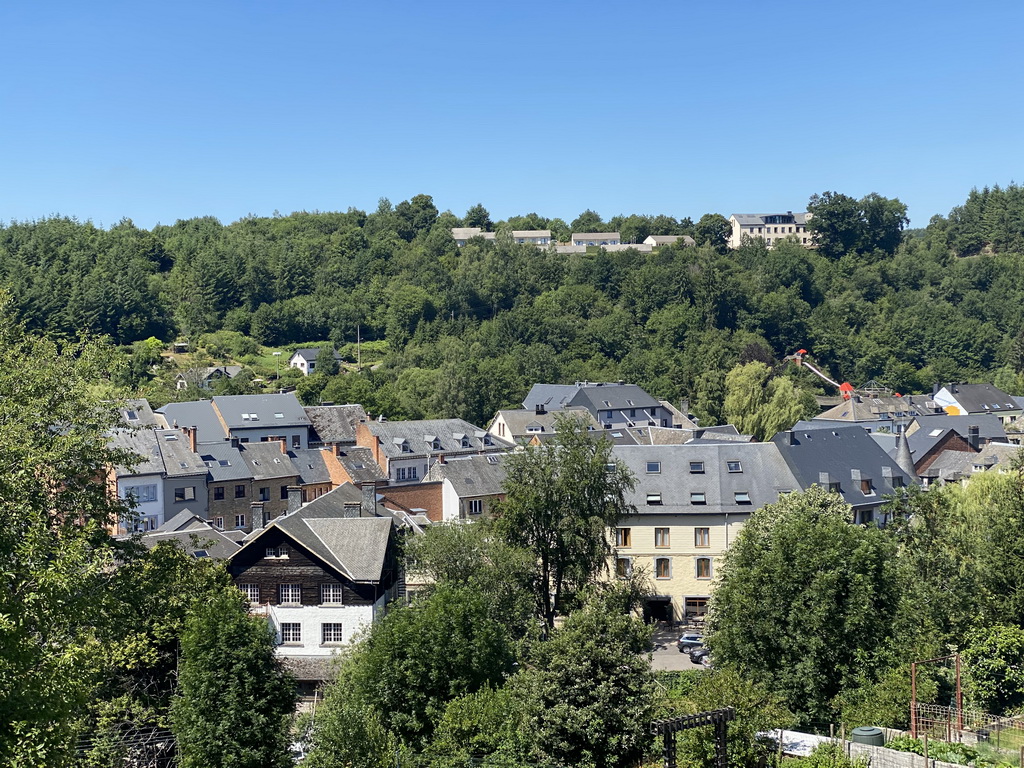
(935, 433)
(278, 415)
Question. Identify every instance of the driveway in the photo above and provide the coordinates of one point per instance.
(666, 656)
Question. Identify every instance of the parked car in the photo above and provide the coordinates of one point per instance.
(701, 656)
(690, 641)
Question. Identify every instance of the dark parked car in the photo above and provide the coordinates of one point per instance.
(701, 656)
(689, 641)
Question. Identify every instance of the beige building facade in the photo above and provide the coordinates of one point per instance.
(770, 227)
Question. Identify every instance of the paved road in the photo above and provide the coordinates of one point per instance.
(666, 655)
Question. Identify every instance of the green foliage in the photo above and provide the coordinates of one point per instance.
(560, 501)
(841, 225)
(55, 554)
(829, 755)
(948, 752)
(761, 405)
(233, 694)
(588, 691)
(806, 601)
(757, 711)
(994, 661)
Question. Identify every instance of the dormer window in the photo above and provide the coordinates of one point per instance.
(487, 440)
(464, 442)
(405, 447)
(435, 444)
(734, 466)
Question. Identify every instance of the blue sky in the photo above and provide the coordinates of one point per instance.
(161, 111)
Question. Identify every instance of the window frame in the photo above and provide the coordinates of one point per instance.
(251, 592)
(624, 537)
(293, 634)
(662, 537)
(734, 467)
(335, 629)
(702, 537)
(698, 561)
(656, 467)
(240, 491)
(654, 500)
(332, 594)
(696, 467)
(290, 589)
(699, 498)
(218, 493)
(667, 561)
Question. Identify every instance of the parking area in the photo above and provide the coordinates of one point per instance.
(666, 655)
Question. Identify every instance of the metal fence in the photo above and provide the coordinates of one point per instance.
(970, 726)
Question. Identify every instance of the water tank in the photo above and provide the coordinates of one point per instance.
(868, 735)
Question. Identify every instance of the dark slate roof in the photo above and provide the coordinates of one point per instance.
(601, 397)
(471, 476)
(360, 465)
(199, 414)
(143, 443)
(266, 409)
(224, 462)
(192, 534)
(989, 427)
(179, 458)
(553, 397)
(310, 354)
(310, 465)
(823, 456)
(758, 219)
(981, 398)
(335, 423)
(524, 422)
(137, 413)
(763, 475)
(266, 461)
(863, 408)
(355, 547)
(419, 436)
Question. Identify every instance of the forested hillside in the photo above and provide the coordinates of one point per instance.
(468, 330)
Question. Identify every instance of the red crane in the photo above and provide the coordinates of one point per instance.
(845, 389)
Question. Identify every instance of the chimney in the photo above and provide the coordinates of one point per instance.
(440, 458)
(234, 442)
(294, 498)
(336, 448)
(257, 516)
(284, 445)
(191, 434)
(972, 437)
(539, 410)
(790, 438)
(368, 506)
(351, 509)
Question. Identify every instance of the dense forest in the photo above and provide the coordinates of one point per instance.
(465, 331)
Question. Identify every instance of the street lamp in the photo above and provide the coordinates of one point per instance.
(277, 376)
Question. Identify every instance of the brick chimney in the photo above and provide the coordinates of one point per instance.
(193, 438)
(284, 445)
(973, 438)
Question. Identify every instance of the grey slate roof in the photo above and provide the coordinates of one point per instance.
(224, 462)
(859, 408)
(594, 396)
(988, 424)
(143, 443)
(310, 465)
(335, 423)
(471, 476)
(845, 455)
(310, 354)
(763, 475)
(360, 465)
(178, 456)
(521, 422)
(192, 534)
(137, 413)
(529, 233)
(981, 398)
(266, 461)
(758, 219)
(354, 546)
(199, 414)
(418, 435)
(265, 408)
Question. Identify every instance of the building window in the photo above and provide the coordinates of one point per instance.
(742, 497)
(412, 473)
(264, 494)
(476, 506)
(331, 594)
(608, 415)
(866, 489)
(623, 537)
(734, 466)
(696, 467)
(284, 493)
(141, 493)
(435, 444)
(239, 521)
(185, 494)
(218, 493)
(632, 413)
(501, 428)
(654, 499)
(697, 497)
(251, 592)
(276, 552)
(296, 441)
(218, 522)
(406, 448)
(661, 537)
(653, 467)
(289, 594)
(662, 567)
(239, 492)
(623, 567)
(291, 632)
(702, 537)
(331, 633)
(703, 567)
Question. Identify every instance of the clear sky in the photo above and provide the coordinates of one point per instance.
(161, 111)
